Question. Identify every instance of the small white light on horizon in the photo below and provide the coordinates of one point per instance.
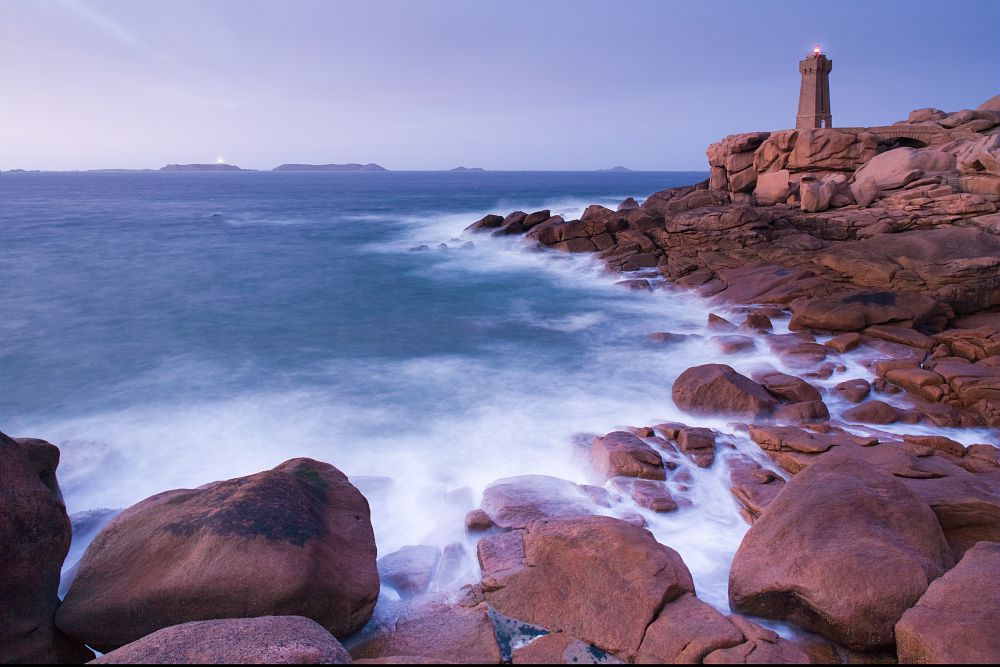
(220, 160)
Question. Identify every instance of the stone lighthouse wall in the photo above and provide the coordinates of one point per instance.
(814, 93)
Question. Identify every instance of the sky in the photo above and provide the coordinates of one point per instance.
(433, 84)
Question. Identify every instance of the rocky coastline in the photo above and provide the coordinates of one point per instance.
(867, 260)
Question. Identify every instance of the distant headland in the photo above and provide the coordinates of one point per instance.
(291, 166)
(353, 166)
(215, 166)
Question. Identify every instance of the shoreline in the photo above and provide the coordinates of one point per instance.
(850, 415)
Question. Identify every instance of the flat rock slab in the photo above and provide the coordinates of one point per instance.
(853, 311)
(437, 630)
(282, 640)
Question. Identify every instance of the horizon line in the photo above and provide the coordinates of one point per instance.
(246, 170)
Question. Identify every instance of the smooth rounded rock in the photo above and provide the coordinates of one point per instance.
(843, 550)
(295, 540)
(718, 389)
(957, 619)
(282, 640)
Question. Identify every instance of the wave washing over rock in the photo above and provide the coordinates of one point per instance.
(819, 480)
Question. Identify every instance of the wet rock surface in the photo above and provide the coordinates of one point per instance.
(719, 389)
(514, 502)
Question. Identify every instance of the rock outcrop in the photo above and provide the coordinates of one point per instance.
(35, 533)
(882, 245)
(955, 620)
(597, 579)
(808, 558)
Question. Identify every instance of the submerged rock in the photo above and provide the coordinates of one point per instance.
(295, 540)
(514, 502)
(409, 570)
(621, 453)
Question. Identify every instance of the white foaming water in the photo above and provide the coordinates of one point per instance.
(423, 437)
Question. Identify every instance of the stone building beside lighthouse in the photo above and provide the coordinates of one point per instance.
(814, 94)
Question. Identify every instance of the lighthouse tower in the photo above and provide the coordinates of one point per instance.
(814, 95)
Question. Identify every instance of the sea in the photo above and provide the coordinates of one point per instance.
(167, 330)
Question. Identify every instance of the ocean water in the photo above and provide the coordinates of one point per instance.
(169, 330)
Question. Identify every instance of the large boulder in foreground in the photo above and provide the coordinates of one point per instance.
(596, 578)
(957, 619)
(281, 640)
(35, 535)
(717, 389)
(293, 541)
(843, 551)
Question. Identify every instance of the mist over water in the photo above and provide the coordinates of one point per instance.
(169, 330)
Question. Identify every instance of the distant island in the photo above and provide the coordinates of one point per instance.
(353, 166)
(216, 166)
(616, 169)
(468, 169)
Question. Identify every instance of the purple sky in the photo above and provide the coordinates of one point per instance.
(509, 84)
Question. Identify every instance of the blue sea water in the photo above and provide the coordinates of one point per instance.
(168, 330)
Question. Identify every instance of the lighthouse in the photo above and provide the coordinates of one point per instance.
(814, 94)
